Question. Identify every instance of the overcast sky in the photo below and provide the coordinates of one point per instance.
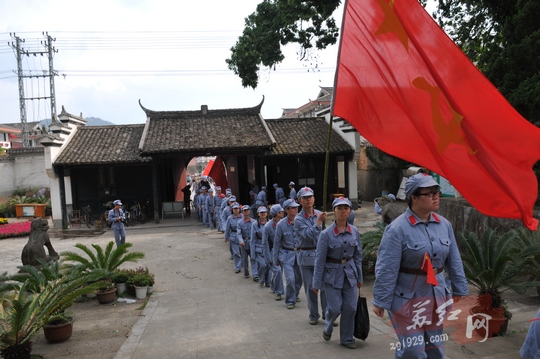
(169, 54)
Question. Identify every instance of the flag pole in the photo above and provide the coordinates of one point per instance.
(326, 163)
(329, 140)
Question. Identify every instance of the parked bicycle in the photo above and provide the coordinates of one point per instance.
(138, 212)
(128, 218)
(86, 216)
(103, 219)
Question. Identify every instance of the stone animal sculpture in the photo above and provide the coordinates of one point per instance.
(34, 249)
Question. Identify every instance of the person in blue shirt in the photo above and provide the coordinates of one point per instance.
(261, 197)
(417, 303)
(257, 248)
(218, 200)
(244, 238)
(531, 346)
(116, 217)
(292, 191)
(308, 227)
(225, 210)
(280, 195)
(202, 205)
(231, 230)
(196, 200)
(285, 253)
(209, 208)
(380, 202)
(276, 283)
(338, 269)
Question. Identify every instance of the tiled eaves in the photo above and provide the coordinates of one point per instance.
(304, 136)
(205, 130)
(103, 145)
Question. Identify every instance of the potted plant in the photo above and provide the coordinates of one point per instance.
(37, 301)
(140, 281)
(491, 264)
(105, 260)
(120, 278)
(106, 292)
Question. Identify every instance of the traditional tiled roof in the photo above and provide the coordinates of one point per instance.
(305, 136)
(103, 145)
(204, 130)
(325, 94)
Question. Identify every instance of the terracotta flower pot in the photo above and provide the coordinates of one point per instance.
(107, 296)
(496, 326)
(56, 333)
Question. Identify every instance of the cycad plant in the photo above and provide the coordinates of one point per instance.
(370, 245)
(492, 263)
(529, 241)
(106, 260)
(29, 305)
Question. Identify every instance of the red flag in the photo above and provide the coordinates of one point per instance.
(411, 92)
(431, 277)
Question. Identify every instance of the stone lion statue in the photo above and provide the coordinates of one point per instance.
(34, 249)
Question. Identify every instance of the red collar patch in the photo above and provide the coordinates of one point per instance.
(412, 219)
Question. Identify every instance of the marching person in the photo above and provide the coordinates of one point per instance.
(225, 209)
(210, 207)
(231, 228)
(285, 253)
(116, 217)
(244, 238)
(308, 227)
(261, 197)
(253, 197)
(338, 269)
(276, 283)
(202, 205)
(292, 191)
(257, 249)
(196, 201)
(280, 195)
(416, 250)
(218, 200)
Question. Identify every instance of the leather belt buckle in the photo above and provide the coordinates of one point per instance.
(343, 261)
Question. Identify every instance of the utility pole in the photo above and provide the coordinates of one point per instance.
(51, 50)
(20, 51)
(22, 104)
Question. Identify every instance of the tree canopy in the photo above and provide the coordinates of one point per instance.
(501, 37)
(277, 23)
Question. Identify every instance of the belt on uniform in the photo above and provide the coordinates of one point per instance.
(233, 230)
(300, 248)
(418, 271)
(246, 239)
(338, 261)
(291, 249)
